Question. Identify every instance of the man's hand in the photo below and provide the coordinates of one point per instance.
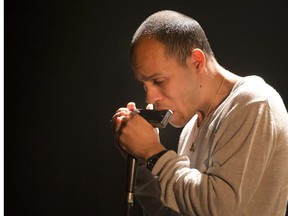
(134, 135)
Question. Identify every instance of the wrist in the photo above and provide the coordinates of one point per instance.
(151, 161)
(152, 151)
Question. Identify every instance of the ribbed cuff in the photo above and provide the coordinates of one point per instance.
(162, 161)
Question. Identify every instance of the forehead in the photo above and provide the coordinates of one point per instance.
(149, 58)
(147, 48)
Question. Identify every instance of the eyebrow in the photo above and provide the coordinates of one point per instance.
(151, 77)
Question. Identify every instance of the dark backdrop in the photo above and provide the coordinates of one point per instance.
(66, 71)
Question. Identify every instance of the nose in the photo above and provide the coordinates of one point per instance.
(152, 96)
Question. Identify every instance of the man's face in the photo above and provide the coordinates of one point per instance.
(168, 85)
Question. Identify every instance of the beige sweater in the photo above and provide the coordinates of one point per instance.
(236, 163)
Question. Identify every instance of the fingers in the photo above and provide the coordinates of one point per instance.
(121, 110)
(116, 120)
(120, 122)
(119, 118)
(131, 106)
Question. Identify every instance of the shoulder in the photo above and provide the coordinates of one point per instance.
(252, 97)
(253, 88)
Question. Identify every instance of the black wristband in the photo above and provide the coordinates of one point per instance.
(151, 161)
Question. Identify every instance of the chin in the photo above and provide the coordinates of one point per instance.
(176, 124)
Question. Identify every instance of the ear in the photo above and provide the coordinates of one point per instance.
(197, 60)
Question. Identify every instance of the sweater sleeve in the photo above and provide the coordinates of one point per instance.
(147, 193)
(243, 145)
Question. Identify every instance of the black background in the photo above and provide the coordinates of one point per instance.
(66, 70)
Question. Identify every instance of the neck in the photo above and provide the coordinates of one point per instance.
(212, 105)
(202, 115)
(217, 83)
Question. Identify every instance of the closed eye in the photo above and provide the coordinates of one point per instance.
(158, 82)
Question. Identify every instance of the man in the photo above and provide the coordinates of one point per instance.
(232, 156)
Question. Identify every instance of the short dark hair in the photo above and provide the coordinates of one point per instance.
(177, 32)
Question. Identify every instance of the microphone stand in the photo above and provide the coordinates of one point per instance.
(158, 119)
(132, 166)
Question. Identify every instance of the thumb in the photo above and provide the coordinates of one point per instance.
(131, 106)
(149, 107)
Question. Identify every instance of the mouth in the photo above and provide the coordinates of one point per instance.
(158, 107)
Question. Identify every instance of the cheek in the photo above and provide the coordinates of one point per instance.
(185, 99)
(179, 90)
(182, 93)
(175, 95)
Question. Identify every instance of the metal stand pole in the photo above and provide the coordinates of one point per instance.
(132, 165)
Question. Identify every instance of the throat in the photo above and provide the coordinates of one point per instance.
(214, 103)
